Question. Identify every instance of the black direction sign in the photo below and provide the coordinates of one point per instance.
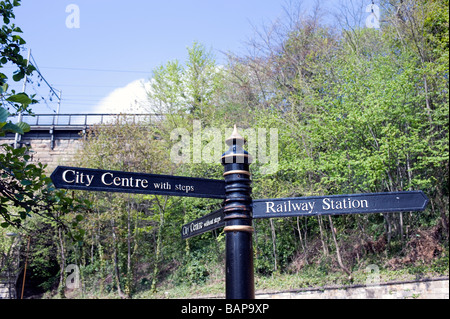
(203, 224)
(89, 179)
(340, 204)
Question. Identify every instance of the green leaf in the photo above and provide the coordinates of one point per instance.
(18, 39)
(10, 127)
(3, 115)
(21, 98)
(26, 182)
(18, 76)
(4, 225)
(24, 126)
(5, 86)
(79, 218)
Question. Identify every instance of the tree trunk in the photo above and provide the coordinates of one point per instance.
(322, 235)
(303, 243)
(62, 264)
(116, 260)
(338, 253)
(158, 242)
(129, 240)
(300, 233)
(274, 245)
(388, 226)
(158, 253)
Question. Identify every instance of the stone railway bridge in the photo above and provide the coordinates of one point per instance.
(54, 139)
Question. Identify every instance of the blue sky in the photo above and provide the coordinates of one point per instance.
(132, 37)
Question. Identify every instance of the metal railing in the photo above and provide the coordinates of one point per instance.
(84, 119)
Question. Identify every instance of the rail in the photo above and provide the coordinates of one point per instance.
(85, 120)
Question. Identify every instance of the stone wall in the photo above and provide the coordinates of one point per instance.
(62, 153)
(7, 289)
(437, 288)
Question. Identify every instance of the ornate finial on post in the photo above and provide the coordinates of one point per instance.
(236, 154)
(235, 136)
(238, 220)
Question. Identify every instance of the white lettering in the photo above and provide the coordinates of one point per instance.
(109, 179)
(328, 204)
(73, 279)
(103, 178)
(197, 141)
(289, 206)
(269, 205)
(297, 206)
(73, 19)
(198, 309)
(184, 188)
(64, 176)
(326, 201)
(213, 149)
(207, 145)
(311, 206)
(246, 308)
(373, 20)
(180, 152)
(116, 181)
(89, 179)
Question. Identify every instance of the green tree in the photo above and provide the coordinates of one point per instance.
(25, 190)
(10, 46)
(127, 228)
(189, 90)
(24, 187)
(361, 110)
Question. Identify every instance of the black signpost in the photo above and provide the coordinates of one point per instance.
(239, 278)
(203, 224)
(340, 204)
(89, 179)
(239, 209)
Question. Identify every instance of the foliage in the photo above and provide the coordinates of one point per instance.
(188, 89)
(11, 43)
(27, 195)
(23, 185)
(357, 110)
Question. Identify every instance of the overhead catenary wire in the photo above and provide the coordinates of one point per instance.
(48, 100)
(94, 70)
(43, 78)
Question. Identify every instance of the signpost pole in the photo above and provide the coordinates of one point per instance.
(238, 220)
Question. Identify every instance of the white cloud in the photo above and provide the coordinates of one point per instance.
(129, 99)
